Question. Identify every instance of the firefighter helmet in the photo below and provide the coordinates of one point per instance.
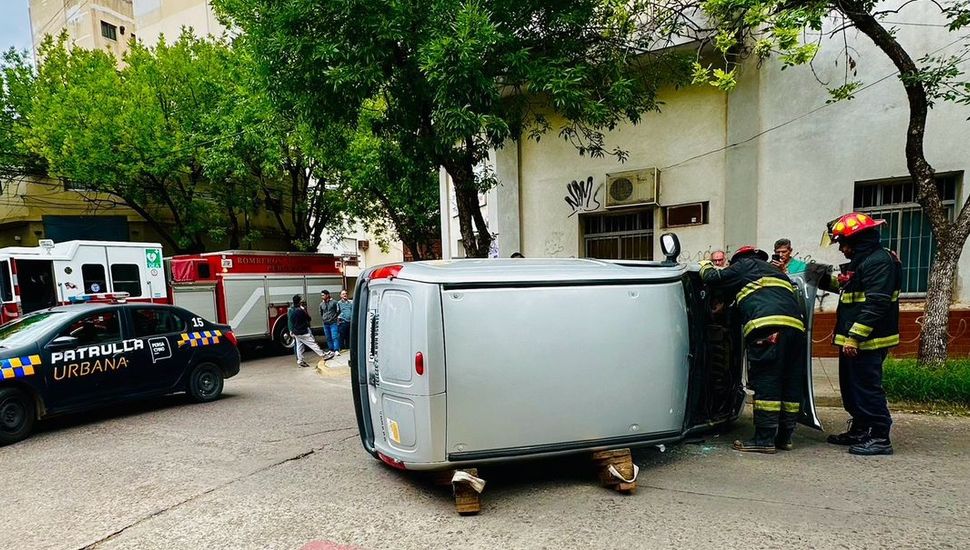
(748, 250)
(848, 225)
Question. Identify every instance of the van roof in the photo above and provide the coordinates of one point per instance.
(523, 270)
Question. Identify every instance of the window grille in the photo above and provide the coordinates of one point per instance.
(907, 230)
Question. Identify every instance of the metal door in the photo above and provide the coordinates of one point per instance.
(807, 291)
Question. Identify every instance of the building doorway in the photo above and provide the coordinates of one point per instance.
(622, 236)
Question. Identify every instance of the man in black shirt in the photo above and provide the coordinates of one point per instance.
(298, 321)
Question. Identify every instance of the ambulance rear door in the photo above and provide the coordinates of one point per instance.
(136, 270)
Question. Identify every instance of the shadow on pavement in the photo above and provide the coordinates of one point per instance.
(120, 410)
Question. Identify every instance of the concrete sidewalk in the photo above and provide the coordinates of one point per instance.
(825, 381)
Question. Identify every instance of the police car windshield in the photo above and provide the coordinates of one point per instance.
(27, 329)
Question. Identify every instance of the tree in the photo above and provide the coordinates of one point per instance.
(460, 77)
(184, 134)
(16, 81)
(136, 133)
(390, 191)
(294, 167)
(775, 27)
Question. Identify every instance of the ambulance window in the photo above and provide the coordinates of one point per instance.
(126, 278)
(93, 276)
(97, 328)
(6, 290)
(204, 272)
(152, 321)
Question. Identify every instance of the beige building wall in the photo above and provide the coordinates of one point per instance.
(82, 19)
(156, 18)
(774, 158)
(528, 210)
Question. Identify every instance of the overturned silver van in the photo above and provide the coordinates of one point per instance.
(472, 361)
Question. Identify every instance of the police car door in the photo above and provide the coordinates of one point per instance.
(807, 290)
(88, 360)
(160, 361)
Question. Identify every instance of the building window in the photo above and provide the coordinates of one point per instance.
(627, 236)
(109, 31)
(907, 230)
(93, 277)
(684, 215)
(126, 278)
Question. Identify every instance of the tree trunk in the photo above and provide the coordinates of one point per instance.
(477, 241)
(950, 237)
(934, 335)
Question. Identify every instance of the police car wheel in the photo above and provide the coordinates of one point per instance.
(205, 383)
(16, 415)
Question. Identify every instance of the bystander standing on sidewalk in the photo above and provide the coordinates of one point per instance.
(346, 308)
(329, 312)
(784, 260)
(298, 321)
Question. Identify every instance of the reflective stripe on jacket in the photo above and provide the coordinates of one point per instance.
(763, 294)
(868, 311)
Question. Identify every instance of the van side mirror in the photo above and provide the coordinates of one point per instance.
(63, 342)
(670, 246)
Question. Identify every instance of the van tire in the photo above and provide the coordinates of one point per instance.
(206, 383)
(17, 415)
(283, 341)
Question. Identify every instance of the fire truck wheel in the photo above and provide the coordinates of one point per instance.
(282, 338)
(16, 415)
(205, 383)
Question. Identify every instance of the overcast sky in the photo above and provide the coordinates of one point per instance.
(14, 25)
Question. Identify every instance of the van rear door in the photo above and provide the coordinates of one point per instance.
(807, 291)
(401, 354)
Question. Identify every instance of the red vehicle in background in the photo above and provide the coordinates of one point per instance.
(252, 291)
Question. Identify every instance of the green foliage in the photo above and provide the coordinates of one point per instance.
(904, 380)
(461, 77)
(185, 134)
(16, 81)
(389, 192)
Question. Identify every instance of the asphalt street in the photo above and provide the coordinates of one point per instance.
(277, 463)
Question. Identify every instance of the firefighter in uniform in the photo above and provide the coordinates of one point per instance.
(867, 326)
(774, 335)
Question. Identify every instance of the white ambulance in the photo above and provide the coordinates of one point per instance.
(50, 274)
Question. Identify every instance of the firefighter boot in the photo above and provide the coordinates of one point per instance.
(785, 431)
(762, 442)
(876, 443)
(855, 433)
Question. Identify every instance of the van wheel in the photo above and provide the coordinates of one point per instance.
(282, 339)
(206, 383)
(17, 415)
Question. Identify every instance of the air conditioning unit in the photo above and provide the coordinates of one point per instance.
(632, 188)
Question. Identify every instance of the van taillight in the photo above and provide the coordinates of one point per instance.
(232, 338)
(386, 272)
(419, 363)
(392, 462)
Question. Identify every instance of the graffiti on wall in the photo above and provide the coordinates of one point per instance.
(582, 197)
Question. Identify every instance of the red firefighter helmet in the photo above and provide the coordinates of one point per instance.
(848, 225)
(749, 250)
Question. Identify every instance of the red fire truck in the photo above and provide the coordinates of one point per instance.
(252, 291)
(50, 274)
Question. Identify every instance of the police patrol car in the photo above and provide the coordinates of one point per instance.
(74, 357)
